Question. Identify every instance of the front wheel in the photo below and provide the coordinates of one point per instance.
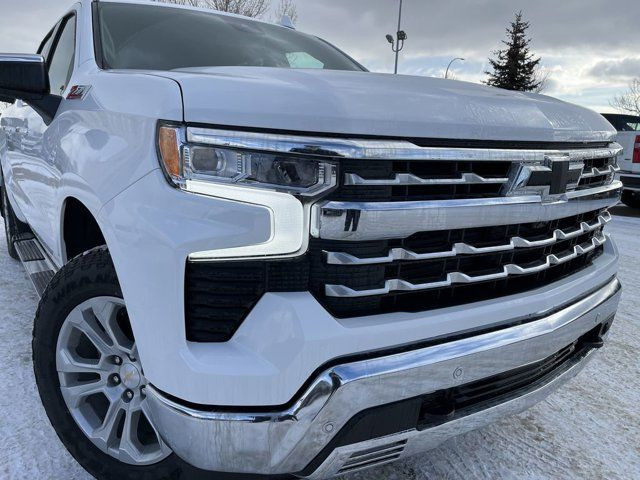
(91, 380)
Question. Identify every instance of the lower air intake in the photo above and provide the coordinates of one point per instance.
(373, 457)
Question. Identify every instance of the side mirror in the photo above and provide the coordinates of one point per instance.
(25, 77)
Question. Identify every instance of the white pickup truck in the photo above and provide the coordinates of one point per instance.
(255, 257)
(628, 127)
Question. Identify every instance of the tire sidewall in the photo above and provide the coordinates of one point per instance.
(88, 276)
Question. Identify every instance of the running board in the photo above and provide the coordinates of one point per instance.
(35, 261)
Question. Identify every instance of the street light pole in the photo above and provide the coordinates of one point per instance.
(397, 43)
(399, 26)
(446, 74)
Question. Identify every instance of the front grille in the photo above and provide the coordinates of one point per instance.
(448, 180)
(597, 172)
(388, 238)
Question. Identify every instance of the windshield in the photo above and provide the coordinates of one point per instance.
(150, 37)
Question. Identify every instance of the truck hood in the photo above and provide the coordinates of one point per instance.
(363, 103)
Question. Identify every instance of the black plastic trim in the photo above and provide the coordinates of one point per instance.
(630, 181)
(97, 37)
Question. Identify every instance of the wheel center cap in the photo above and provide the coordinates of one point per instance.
(130, 376)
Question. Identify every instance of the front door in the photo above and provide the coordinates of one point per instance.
(33, 154)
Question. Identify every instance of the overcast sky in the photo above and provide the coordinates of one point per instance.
(590, 47)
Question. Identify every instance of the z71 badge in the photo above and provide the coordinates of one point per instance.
(78, 92)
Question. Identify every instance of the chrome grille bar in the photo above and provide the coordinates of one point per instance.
(399, 285)
(596, 172)
(360, 221)
(401, 254)
(411, 179)
(469, 178)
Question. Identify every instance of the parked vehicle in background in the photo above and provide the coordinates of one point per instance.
(628, 127)
(256, 257)
(14, 129)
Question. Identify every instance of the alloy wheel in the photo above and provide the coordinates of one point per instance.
(103, 383)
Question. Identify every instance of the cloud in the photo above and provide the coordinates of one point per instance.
(24, 23)
(473, 26)
(573, 37)
(589, 46)
(621, 68)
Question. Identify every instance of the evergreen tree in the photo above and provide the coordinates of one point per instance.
(515, 67)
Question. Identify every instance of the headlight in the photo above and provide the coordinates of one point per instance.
(183, 161)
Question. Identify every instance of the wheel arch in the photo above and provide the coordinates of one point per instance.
(80, 230)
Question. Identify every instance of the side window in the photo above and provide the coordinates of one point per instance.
(61, 63)
(46, 46)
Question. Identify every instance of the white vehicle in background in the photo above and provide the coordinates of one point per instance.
(255, 257)
(628, 127)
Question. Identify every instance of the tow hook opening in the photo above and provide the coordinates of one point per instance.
(595, 337)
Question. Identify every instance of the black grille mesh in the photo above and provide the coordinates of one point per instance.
(600, 164)
(219, 295)
(387, 169)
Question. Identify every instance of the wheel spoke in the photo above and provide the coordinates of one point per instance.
(106, 312)
(67, 363)
(129, 443)
(76, 393)
(85, 322)
(147, 413)
(106, 435)
(134, 351)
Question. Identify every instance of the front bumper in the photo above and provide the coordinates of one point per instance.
(299, 439)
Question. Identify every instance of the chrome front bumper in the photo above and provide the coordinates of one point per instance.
(289, 440)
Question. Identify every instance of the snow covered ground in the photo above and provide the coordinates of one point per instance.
(588, 430)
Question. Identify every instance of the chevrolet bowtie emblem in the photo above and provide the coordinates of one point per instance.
(549, 179)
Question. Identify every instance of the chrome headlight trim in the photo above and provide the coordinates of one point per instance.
(245, 166)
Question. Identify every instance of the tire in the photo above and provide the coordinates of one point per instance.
(631, 199)
(91, 278)
(12, 226)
